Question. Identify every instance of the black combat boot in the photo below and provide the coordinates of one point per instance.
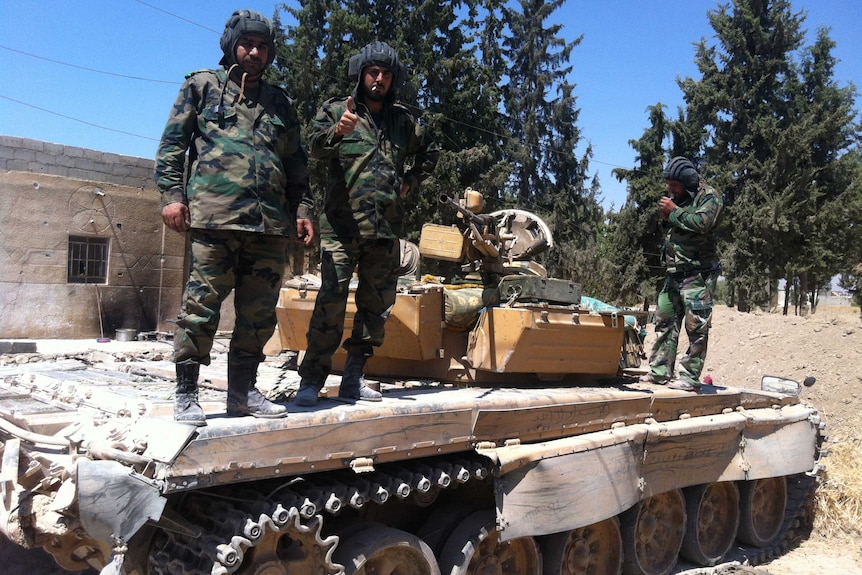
(186, 406)
(306, 396)
(352, 386)
(243, 398)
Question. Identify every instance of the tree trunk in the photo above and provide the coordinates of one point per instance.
(742, 301)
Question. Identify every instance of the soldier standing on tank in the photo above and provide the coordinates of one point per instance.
(364, 140)
(247, 192)
(690, 217)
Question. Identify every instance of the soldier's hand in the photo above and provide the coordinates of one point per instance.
(176, 216)
(305, 231)
(348, 120)
(665, 207)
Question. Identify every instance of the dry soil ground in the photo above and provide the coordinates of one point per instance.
(743, 347)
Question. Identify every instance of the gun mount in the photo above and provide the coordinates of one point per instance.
(502, 242)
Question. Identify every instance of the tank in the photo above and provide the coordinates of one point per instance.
(512, 438)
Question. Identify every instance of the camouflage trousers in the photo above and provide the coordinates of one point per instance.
(686, 299)
(377, 261)
(249, 264)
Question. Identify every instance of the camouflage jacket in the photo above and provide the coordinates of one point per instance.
(248, 170)
(691, 238)
(365, 169)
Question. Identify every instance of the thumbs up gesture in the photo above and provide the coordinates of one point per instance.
(348, 120)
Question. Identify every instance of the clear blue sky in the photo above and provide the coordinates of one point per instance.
(629, 59)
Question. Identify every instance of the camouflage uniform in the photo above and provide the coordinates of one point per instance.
(248, 183)
(693, 268)
(361, 224)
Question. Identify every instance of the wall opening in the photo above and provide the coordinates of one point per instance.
(88, 260)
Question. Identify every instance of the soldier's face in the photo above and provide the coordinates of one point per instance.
(675, 188)
(252, 54)
(377, 80)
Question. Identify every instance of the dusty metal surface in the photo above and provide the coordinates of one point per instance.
(89, 431)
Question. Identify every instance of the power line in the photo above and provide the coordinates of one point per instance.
(78, 119)
(490, 132)
(304, 64)
(192, 22)
(87, 69)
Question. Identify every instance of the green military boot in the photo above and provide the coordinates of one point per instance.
(186, 406)
(243, 398)
(352, 386)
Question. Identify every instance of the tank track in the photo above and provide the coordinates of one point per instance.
(236, 520)
(797, 526)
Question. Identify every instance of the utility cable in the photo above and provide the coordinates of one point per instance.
(78, 119)
(88, 69)
(192, 22)
(502, 136)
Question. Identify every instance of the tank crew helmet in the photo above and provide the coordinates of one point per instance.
(245, 22)
(682, 170)
(380, 54)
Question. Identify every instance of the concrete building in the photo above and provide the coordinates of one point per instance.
(84, 251)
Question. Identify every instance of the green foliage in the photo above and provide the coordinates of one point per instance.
(488, 79)
(635, 240)
(721, 294)
(541, 119)
(777, 136)
(765, 122)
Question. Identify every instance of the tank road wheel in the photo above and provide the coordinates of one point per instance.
(296, 548)
(652, 534)
(712, 512)
(474, 548)
(379, 550)
(440, 523)
(762, 506)
(596, 549)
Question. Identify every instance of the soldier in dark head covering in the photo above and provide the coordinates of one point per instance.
(364, 140)
(690, 216)
(247, 193)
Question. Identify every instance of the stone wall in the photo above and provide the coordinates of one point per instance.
(37, 157)
(50, 192)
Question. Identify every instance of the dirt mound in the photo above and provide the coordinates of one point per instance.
(826, 345)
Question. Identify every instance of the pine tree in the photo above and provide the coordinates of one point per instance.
(779, 135)
(513, 140)
(542, 121)
(745, 101)
(634, 244)
(827, 207)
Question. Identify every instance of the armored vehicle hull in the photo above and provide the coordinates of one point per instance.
(436, 478)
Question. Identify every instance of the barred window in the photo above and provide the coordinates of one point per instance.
(88, 260)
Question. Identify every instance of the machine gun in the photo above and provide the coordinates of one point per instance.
(504, 242)
(469, 209)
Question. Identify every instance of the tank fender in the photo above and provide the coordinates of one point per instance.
(115, 501)
(568, 483)
(576, 481)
